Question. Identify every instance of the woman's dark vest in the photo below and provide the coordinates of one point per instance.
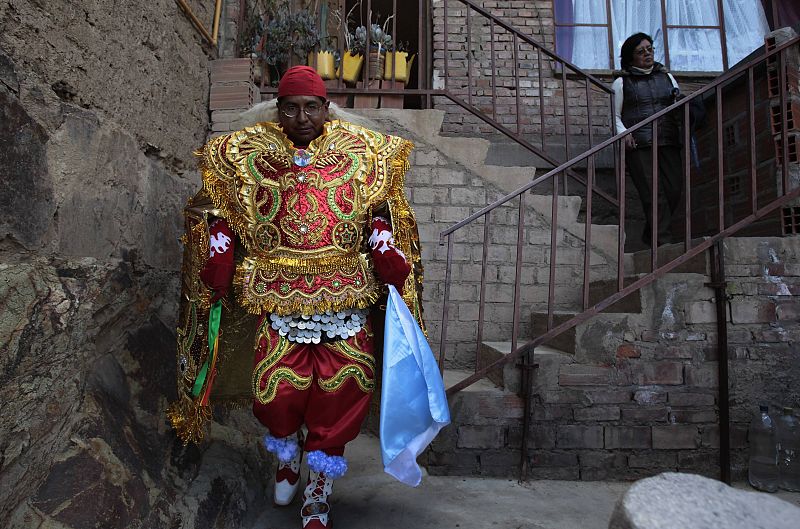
(643, 96)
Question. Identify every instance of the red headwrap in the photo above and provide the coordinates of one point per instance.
(302, 81)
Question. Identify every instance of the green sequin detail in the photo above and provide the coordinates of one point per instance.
(331, 197)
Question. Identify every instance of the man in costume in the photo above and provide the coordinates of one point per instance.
(306, 219)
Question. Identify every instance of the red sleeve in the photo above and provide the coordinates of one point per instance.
(391, 265)
(218, 272)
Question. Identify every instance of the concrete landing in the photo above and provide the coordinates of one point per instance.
(367, 498)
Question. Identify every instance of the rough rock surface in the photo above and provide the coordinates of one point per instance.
(688, 501)
(86, 370)
(141, 65)
(101, 104)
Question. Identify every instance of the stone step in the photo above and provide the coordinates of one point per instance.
(509, 377)
(564, 341)
(453, 376)
(600, 290)
(699, 264)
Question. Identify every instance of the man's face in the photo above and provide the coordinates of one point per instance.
(302, 117)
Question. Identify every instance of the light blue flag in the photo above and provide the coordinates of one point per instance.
(413, 402)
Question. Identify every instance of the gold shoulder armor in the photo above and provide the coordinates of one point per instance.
(228, 169)
(388, 156)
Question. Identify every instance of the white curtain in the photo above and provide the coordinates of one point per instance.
(590, 44)
(745, 28)
(690, 49)
(694, 50)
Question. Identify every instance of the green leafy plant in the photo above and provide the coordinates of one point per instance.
(290, 33)
(380, 39)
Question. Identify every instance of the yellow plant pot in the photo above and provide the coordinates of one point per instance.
(352, 67)
(323, 65)
(401, 70)
(409, 63)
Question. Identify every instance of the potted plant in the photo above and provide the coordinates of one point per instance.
(325, 61)
(290, 36)
(380, 41)
(398, 64)
(352, 53)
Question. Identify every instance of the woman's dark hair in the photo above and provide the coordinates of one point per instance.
(626, 54)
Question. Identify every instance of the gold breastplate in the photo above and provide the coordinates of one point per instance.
(301, 214)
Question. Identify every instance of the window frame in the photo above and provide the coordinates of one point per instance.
(610, 37)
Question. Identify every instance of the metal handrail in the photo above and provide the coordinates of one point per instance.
(690, 250)
(517, 37)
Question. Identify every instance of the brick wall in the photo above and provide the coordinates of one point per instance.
(534, 19)
(229, 29)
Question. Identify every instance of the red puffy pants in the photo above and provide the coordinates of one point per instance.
(327, 386)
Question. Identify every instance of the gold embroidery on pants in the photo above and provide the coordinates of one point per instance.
(276, 352)
(351, 370)
(350, 352)
(276, 377)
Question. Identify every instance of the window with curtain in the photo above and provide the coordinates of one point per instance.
(687, 34)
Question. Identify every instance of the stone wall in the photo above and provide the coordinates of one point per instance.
(101, 105)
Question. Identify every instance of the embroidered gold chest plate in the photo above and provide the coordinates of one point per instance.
(301, 214)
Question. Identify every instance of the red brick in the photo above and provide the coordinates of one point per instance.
(704, 375)
(694, 416)
(597, 413)
(628, 351)
(608, 396)
(691, 399)
(646, 373)
(788, 311)
(481, 437)
(649, 459)
(645, 414)
(584, 375)
(504, 407)
(674, 351)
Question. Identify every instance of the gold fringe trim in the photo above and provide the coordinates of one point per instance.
(304, 304)
(316, 265)
(189, 419)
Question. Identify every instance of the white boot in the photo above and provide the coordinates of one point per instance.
(287, 480)
(287, 476)
(315, 505)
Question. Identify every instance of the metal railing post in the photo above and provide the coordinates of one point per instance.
(719, 284)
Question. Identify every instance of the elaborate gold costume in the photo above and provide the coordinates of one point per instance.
(302, 216)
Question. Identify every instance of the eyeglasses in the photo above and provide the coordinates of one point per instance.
(649, 50)
(292, 111)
